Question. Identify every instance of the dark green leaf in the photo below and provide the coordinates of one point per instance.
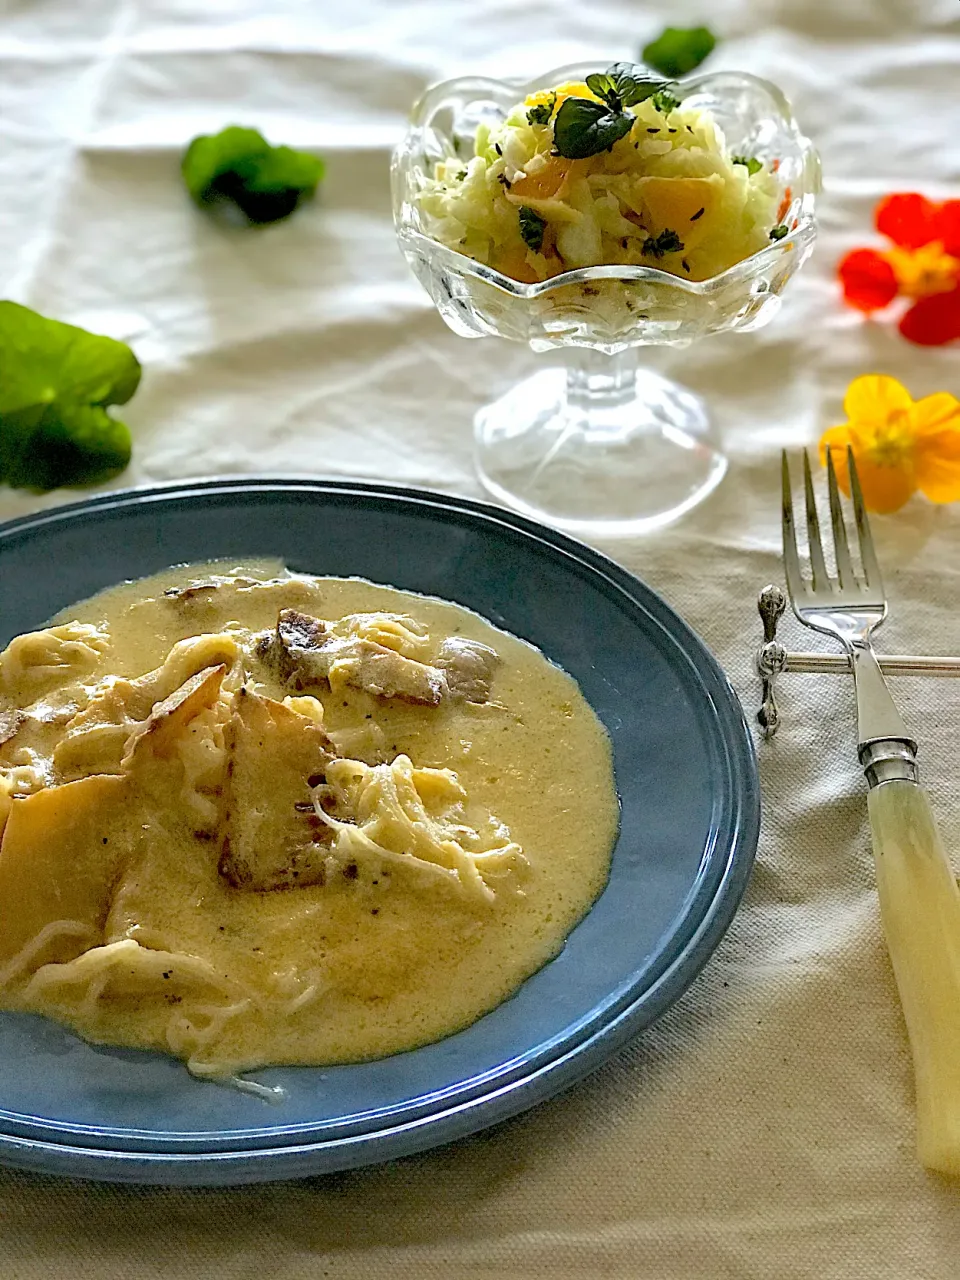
(532, 227)
(211, 155)
(678, 50)
(55, 383)
(632, 83)
(64, 445)
(282, 169)
(665, 102)
(779, 232)
(666, 242)
(585, 128)
(266, 183)
(601, 83)
(752, 163)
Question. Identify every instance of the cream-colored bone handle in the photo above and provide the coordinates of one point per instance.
(920, 906)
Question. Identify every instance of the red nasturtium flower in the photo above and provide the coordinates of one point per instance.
(923, 263)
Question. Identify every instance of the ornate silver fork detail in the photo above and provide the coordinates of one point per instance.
(919, 897)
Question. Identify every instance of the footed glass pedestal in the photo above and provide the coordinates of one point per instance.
(599, 447)
(604, 448)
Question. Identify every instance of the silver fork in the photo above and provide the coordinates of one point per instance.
(850, 608)
(919, 897)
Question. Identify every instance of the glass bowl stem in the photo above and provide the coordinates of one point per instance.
(599, 446)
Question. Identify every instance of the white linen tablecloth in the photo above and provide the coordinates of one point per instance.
(764, 1128)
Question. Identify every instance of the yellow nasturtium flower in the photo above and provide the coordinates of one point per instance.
(900, 444)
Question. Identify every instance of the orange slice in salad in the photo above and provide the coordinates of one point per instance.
(547, 188)
(684, 205)
(514, 263)
(552, 182)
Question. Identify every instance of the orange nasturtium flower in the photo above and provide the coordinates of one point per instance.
(923, 264)
(899, 444)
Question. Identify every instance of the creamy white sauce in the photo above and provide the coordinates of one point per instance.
(350, 969)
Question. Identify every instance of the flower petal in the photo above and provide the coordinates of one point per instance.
(868, 280)
(885, 487)
(925, 271)
(910, 220)
(934, 416)
(872, 400)
(932, 321)
(936, 421)
(948, 227)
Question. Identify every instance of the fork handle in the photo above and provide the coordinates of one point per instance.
(920, 907)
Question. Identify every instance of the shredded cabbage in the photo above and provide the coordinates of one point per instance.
(672, 173)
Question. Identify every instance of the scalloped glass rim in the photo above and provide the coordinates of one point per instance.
(483, 88)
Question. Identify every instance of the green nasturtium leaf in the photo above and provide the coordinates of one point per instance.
(56, 383)
(679, 50)
(266, 183)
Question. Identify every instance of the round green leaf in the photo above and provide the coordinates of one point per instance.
(584, 128)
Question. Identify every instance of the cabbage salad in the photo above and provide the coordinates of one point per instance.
(612, 171)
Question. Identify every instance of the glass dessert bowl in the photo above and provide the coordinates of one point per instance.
(602, 446)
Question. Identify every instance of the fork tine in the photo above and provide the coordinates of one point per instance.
(791, 556)
(868, 557)
(844, 564)
(821, 579)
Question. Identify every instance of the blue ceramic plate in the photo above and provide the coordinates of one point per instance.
(685, 772)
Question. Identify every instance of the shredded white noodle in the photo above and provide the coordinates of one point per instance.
(411, 819)
(127, 968)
